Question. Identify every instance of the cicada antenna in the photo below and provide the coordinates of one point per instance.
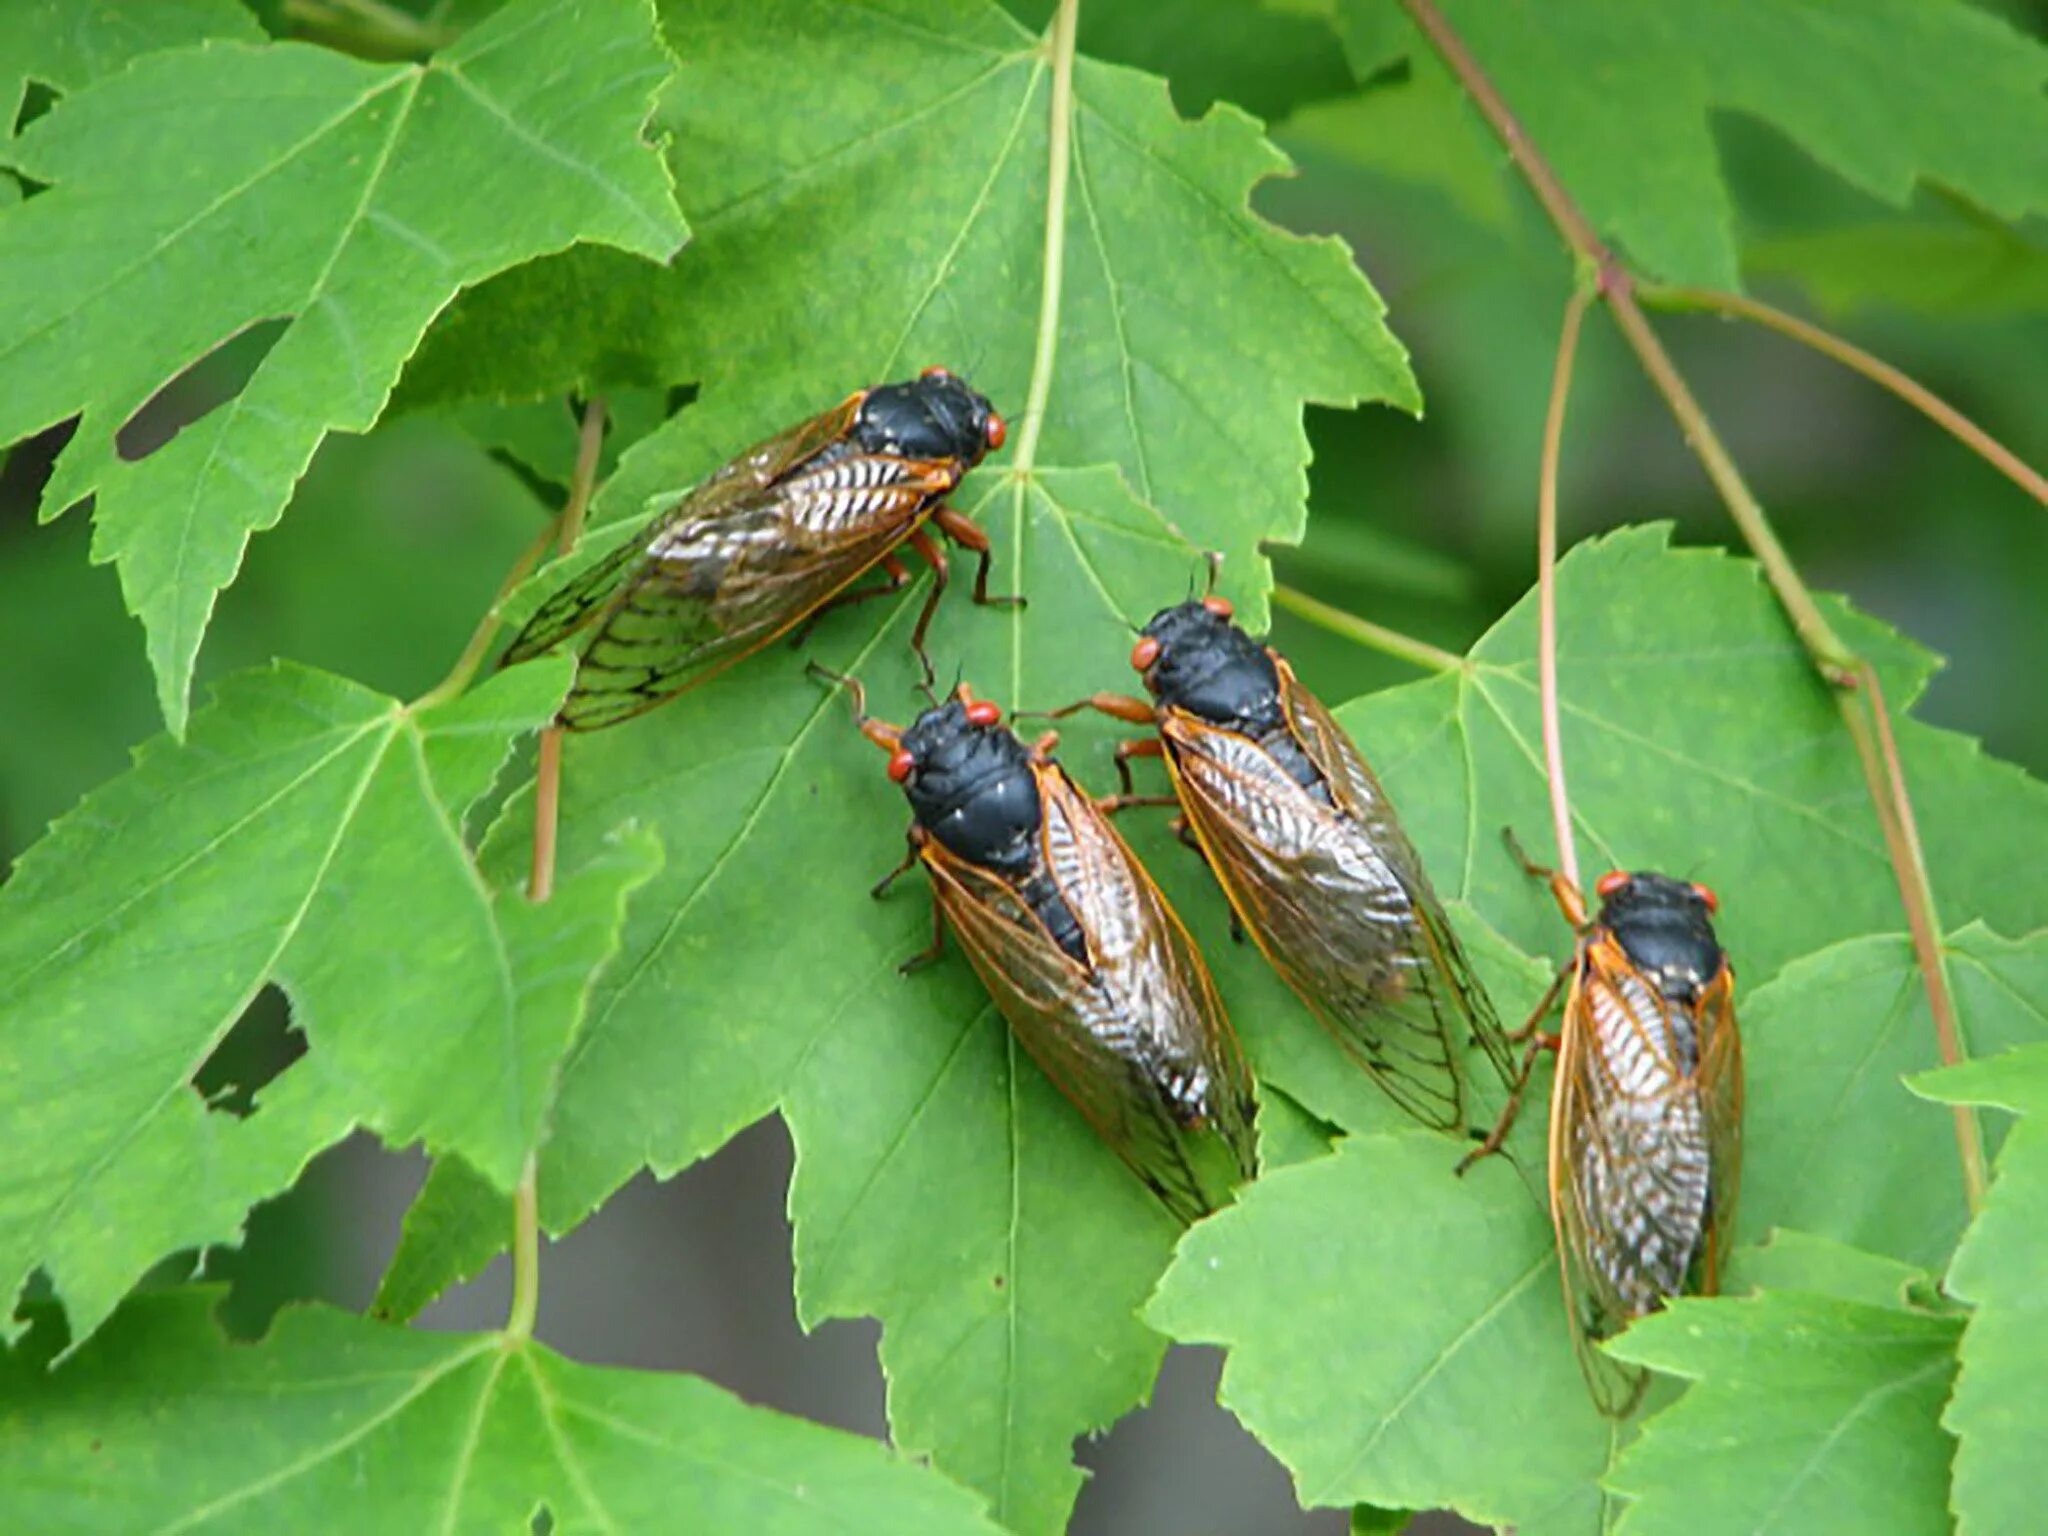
(961, 330)
(853, 686)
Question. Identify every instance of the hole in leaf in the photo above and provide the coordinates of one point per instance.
(261, 1045)
(203, 386)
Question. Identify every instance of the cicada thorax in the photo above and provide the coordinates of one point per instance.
(1646, 1119)
(1087, 963)
(1316, 866)
(769, 540)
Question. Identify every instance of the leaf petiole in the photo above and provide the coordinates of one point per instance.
(1546, 582)
(1374, 637)
(1873, 368)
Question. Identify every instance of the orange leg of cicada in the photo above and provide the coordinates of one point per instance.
(1568, 897)
(1539, 1042)
(930, 952)
(896, 577)
(969, 537)
(1118, 706)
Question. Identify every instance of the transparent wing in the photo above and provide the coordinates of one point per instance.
(711, 590)
(1359, 792)
(1131, 1038)
(1629, 1159)
(584, 598)
(1146, 959)
(577, 602)
(1720, 1090)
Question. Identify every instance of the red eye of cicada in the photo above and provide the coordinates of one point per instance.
(936, 372)
(982, 713)
(1611, 883)
(1144, 653)
(1220, 606)
(1706, 894)
(998, 432)
(900, 764)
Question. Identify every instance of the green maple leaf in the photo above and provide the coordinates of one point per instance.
(1619, 99)
(1697, 742)
(160, 1423)
(454, 1227)
(203, 191)
(941, 1184)
(1843, 1154)
(1458, 1386)
(1953, 268)
(1805, 1413)
(65, 44)
(1997, 1414)
(309, 833)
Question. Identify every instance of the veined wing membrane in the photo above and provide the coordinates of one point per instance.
(1444, 981)
(1721, 1093)
(1628, 1161)
(1147, 958)
(1093, 1028)
(592, 593)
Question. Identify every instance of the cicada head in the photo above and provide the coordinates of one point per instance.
(1665, 927)
(970, 782)
(1194, 657)
(934, 416)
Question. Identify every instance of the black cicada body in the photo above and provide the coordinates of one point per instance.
(1082, 954)
(1306, 846)
(769, 540)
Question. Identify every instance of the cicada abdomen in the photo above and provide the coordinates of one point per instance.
(771, 539)
(1307, 848)
(1079, 949)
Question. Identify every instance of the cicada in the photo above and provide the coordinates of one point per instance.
(1305, 844)
(1645, 1112)
(1080, 951)
(773, 538)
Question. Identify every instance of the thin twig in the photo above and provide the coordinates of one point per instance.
(1902, 842)
(1837, 664)
(547, 783)
(583, 479)
(1373, 636)
(540, 883)
(1546, 584)
(1876, 369)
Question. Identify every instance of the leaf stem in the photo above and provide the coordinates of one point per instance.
(1060, 41)
(1885, 779)
(1546, 583)
(368, 26)
(540, 883)
(1878, 371)
(525, 1253)
(1831, 656)
(465, 669)
(1849, 674)
(1376, 637)
(583, 479)
(590, 440)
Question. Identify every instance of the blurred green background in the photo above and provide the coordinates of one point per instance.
(395, 542)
